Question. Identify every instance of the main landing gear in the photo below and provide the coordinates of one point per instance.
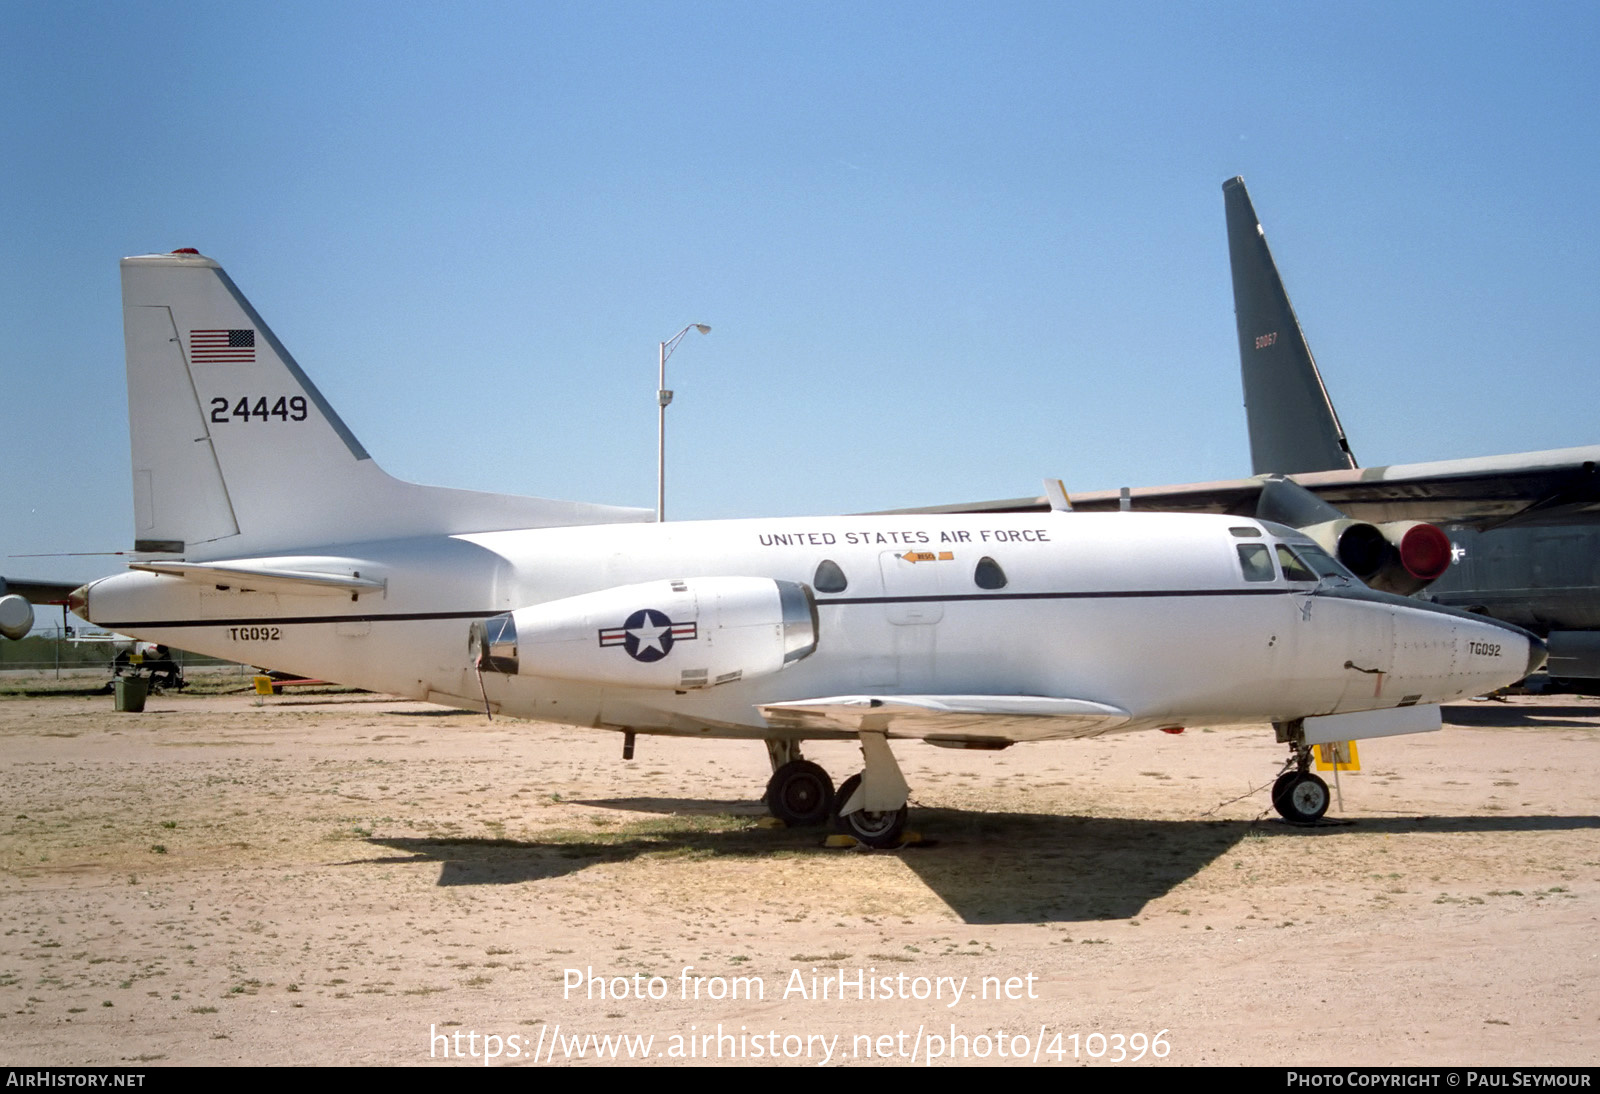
(1299, 796)
(875, 828)
(870, 806)
(800, 794)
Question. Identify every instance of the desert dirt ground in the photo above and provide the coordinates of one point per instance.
(348, 879)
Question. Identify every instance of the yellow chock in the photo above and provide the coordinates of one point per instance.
(843, 841)
(770, 822)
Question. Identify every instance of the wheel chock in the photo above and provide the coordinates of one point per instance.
(843, 841)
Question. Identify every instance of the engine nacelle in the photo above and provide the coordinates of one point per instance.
(1359, 545)
(1425, 549)
(1401, 557)
(16, 617)
(667, 635)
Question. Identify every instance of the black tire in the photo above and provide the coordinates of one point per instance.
(872, 829)
(1280, 785)
(800, 794)
(1302, 799)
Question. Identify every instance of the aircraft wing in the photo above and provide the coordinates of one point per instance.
(960, 721)
(1294, 428)
(38, 592)
(1550, 487)
(17, 599)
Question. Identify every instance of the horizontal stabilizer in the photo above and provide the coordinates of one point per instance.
(266, 579)
(952, 718)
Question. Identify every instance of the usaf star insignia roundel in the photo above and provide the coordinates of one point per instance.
(648, 635)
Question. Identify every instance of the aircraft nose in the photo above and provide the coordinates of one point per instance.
(78, 601)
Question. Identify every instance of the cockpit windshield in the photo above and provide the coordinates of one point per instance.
(1322, 562)
(1308, 562)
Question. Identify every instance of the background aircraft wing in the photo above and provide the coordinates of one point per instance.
(17, 599)
(1525, 488)
(38, 592)
(1553, 487)
(1295, 431)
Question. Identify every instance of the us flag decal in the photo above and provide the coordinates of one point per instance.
(232, 347)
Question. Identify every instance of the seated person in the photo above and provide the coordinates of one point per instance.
(164, 671)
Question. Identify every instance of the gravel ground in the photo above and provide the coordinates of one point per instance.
(346, 878)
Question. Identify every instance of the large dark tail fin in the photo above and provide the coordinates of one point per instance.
(1293, 426)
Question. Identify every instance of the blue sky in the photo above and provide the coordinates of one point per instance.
(946, 249)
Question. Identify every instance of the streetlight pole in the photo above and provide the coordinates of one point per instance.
(663, 397)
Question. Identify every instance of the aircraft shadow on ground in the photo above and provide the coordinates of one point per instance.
(988, 867)
(57, 693)
(1491, 715)
(741, 807)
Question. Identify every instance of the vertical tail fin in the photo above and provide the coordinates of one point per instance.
(1293, 426)
(235, 451)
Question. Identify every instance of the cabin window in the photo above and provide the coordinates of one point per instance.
(1293, 568)
(1256, 561)
(829, 578)
(988, 574)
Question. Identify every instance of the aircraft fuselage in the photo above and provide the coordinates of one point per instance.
(1148, 613)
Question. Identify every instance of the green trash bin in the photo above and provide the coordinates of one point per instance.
(130, 692)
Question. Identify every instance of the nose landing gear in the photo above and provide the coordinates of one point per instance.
(1299, 796)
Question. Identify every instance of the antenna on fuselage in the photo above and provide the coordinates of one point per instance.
(1055, 492)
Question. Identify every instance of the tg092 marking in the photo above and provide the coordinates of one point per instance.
(286, 409)
(255, 634)
(1487, 649)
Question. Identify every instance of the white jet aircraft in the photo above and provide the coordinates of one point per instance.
(268, 535)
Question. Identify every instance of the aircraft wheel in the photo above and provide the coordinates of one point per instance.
(800, 794)
(1280, 785)
(1302, 799)
(872, 829)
